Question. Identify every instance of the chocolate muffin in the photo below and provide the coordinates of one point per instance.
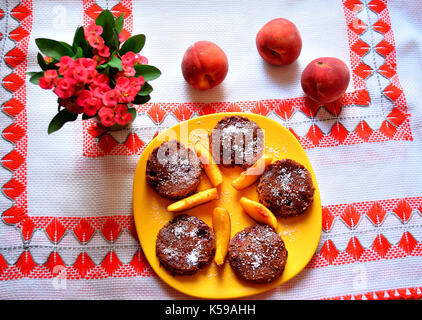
(173, 170)
(286, 188)
(185, 245)
(236, 140)
(257, 254)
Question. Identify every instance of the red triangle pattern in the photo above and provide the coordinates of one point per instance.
(182, 112)
(403, 210)
(28, 228)
(14, 215)
(111, 263)
(55, 230)
(15, 57)
(407, 242)
(157, 113)
(329, 251)
(353, 5)
(376, 213)
(339, 132)
(13, 82)
(13, 189)
(386, 70)
(360, 47)
(327, 219)
(12, 160)
(285, 110)
(19, 34)
(397, 117)
(413, 293)
(377, 5)
(392, 92)
(134, 144)
(364, 131)
(14, 133)
(13, 107)
(384, 48)
(54, 263)
(3, 265)
(83, 264)
(93, 11)
(315, 134)
(388, 129)
(21, 12)
(260, 108)
(111, 229)
(381, 245)
(381, 26)
(354, 248)
(351, 216)
(84, 231)
(138, 262)
(25, 263)
(107, 143)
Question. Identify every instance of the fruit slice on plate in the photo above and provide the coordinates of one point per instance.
(259, 212)
(210, 167)
(221, 225)
(194, 200)
(250, 175)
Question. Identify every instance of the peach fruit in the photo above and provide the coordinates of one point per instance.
(259, 212)
(194, 200)
(210, 167)
(325, 79)
(221, 225)
(279, 42)
(204, 65)
(250, 175)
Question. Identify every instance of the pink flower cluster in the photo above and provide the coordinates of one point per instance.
(93, 36)
(83, 89)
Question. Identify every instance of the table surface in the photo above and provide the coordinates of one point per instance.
(67, 229)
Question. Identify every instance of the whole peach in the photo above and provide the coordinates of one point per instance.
(204, 65)
(325, 79)
(279, 42)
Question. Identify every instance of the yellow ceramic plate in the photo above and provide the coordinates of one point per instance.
(300, 234)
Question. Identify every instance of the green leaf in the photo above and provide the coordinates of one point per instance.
(79, 53)
(68, 46)
(35, 77)
(141, 99)
(60, 119)
(41, 62)
(80, 41)
(133, 112)
(116, 42)
(118, 23)
(106, 20)
(146, 89)
(115, 63)
(147, 72)
(54, 49)
(134, 44)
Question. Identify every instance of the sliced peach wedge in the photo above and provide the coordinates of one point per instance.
(194, 200)
(221, 225)
(252, 174)
(210, 167)
(259, 212)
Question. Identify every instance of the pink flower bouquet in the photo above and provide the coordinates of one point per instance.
(100, 75)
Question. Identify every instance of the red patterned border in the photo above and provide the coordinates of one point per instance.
(111, 227)
(413, 293)
(16, 133)
(396, 126)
